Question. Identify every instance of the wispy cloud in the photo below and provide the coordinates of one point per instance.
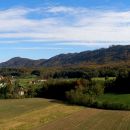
(65, 24)
(31, 48)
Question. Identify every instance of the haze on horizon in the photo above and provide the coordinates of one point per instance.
(41, 29)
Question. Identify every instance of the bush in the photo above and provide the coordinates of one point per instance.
(35, 72)
(112, 106)
(56, 88)
(120, 85)
(86, 93)
(77, 97)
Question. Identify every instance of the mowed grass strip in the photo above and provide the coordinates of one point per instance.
(39, 114)
(92, 119)
(44, 114)
(115, 98)
(11, 108)
(103, 78)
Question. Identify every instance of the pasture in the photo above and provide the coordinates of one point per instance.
(45, 114)
(103, 78)
(115, 98)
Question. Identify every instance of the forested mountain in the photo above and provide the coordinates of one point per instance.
(18, 62)
(113, 54)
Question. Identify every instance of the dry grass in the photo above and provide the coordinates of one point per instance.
(92, 119)
(38, 116)
(41, 114)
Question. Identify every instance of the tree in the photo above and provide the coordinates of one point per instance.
(35, 72)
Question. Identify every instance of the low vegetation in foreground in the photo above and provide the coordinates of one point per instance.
(46, 114)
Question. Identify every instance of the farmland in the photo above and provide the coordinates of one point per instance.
(44, 114)
(118, 98)
(60, 110)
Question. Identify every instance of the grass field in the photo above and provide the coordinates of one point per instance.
(44, 114)
(103, 78)
(25, 81)
(118, 98)
(28, 114)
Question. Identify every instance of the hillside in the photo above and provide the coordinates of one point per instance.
(18, 62)
(113, 54)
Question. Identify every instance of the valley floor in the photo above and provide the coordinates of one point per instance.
(44, 114)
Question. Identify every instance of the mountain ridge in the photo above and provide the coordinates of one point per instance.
(18, 62)
(113, 54)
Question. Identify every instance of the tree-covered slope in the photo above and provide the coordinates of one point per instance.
(113, 54)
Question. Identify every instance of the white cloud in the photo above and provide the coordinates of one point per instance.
(66, 24)
(13, 13)
(31, 48)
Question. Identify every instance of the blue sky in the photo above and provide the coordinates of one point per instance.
(44, 28)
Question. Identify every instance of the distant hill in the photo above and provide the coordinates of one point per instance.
(113, 54)
(18, 62)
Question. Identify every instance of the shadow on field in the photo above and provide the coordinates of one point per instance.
(61, 102)
(56, 101)
(107, 108)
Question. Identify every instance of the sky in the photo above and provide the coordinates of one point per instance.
(40, 29)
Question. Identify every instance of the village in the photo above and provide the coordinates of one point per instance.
(17, 86)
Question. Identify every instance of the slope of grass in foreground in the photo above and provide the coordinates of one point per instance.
(26, 114)
(16, 107)
(115, 98)
(43, 114)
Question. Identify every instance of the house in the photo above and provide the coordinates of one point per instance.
(1, 77)
(42, 80)
(32, 82)
(20, 91)
(37, 81)
(2, 85)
